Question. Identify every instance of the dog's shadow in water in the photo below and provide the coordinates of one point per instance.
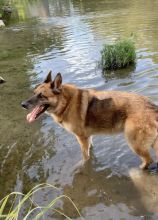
(91, 188)
(146, 183)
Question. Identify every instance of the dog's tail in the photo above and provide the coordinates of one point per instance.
(2, 80)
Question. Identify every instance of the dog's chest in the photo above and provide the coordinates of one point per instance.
(67, 125)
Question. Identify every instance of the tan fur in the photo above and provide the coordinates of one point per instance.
(85, 112)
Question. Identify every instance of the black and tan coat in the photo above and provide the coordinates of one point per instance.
(85, 112)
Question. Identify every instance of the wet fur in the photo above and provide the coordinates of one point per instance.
(85, 112)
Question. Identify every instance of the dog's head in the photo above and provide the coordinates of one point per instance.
(46, 96)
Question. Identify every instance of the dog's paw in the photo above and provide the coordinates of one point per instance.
(79, 165)
(145, 165)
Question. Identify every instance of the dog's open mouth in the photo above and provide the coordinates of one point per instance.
(36, 112)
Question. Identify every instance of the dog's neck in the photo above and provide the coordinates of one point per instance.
(60, 111)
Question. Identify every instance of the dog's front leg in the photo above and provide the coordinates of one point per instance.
(85, 146)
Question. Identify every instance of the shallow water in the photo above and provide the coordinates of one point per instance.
(67, 36)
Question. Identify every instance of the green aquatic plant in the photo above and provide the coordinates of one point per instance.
(118, 55)
(20, 201)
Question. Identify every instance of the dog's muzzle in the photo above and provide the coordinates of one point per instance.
(24, 104)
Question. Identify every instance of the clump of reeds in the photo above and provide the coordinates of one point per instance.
(118, 55)
(19, 202)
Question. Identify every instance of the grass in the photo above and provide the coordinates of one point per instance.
(20, 202)
(118, 55)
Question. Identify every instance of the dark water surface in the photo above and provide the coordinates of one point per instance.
(67, 36)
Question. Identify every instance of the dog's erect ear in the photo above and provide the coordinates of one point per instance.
(49, 77)
(58, 80)
(56, 84)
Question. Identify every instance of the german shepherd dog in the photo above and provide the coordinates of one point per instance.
(85, 112)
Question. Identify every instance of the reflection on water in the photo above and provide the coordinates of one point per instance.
(67, 36)
(120, 74)
(97, 195)
(147, 187)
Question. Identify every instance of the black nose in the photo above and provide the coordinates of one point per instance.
(24, 105)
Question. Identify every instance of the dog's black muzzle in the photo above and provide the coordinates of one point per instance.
(25, 105)
(31, 102)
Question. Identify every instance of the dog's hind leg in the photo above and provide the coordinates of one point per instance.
(155, 147)
(145, 156)
(140, 138)
(85, 144)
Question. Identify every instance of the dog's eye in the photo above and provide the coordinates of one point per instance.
(40, 95)
(37, 86)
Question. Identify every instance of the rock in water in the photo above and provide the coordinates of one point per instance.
(2, 80)
(7, 10)
(2, 23)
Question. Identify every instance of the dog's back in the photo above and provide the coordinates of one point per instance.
(92, 112)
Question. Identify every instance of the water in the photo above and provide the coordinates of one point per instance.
(67, 36)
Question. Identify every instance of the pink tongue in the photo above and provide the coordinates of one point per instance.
(32, 116)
